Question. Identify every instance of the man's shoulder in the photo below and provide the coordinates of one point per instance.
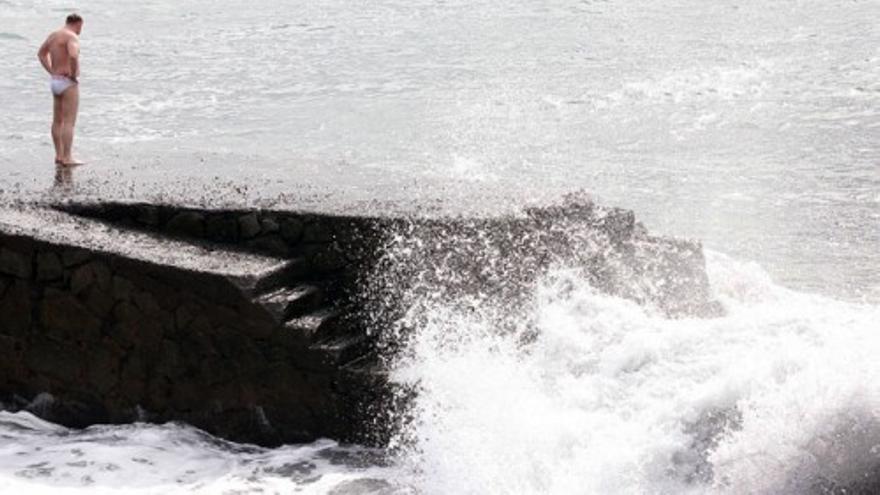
(63, 36)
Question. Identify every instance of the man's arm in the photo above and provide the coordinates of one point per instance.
(43, 55)
(73, 51)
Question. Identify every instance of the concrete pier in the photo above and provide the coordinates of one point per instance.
(269, 326)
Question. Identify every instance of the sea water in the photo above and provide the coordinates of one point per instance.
(752, 126)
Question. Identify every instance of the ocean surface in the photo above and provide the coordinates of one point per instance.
(752, 126)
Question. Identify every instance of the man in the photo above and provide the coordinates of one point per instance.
(60, 57)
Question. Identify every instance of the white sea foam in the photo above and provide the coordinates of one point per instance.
(779, 396)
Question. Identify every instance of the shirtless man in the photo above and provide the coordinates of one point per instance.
(60, 57)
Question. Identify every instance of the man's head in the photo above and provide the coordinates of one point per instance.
(75, 23)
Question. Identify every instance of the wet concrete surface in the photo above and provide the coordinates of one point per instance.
(55, 227)
(215, 180)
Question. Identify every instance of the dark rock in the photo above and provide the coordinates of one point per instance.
(132, 380)
(103, 368)
(49, 267)
(81, 279)
(15, 263)
(74, 257)
(146, 303)
(170, 363)
(187, 224)
(122, 288)
(15, 309)
(49, 358)
(94, 272)
(269, 225)
(291, 230)
(317, 232)
(63, 315)
(148, 215)
(215, 370)
(186, 395)
(185, 315)
(222, 227)
(100, 302)
(249, 225)
(8, 352)
(127, 318)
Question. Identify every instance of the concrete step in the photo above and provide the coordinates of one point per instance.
(315, 326)
(280, 276)
(288, 302)
(344, 349)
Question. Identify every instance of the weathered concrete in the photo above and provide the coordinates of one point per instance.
(262, 325)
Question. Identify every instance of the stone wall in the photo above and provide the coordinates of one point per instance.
(91, 336)
(263, 326)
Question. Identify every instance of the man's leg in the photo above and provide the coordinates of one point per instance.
(69, 107)
(57, 121)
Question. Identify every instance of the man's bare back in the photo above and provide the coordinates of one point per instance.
(59, 55)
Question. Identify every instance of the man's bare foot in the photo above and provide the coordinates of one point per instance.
(72, 163)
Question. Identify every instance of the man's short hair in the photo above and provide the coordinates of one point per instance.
(74, 19)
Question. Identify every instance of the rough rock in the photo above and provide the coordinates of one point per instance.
(291, 230)
(15, 263)
(187, 224)
(49, 267)
(249, 225)
(222, 228)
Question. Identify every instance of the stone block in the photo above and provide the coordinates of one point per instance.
(48, 358)
(15, 263)
(126, 321)
(147, 215)
(249, 225)
(146, 303)
(103, 367)
(222, 227)
(187, 224)
(122, 288)
(269, 225)
(94, 272)
(100, 302)
(184, 315)
(133, 388)
(215, 370)
(186, 395)
(291, 230)
(8, 353)
(317, 232)
(66, 317)
(72, 257)
(49, 267)
(169, 363)
(15, 309)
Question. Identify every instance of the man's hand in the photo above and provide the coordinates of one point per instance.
(43, 55)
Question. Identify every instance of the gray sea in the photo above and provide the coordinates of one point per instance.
(752, 126)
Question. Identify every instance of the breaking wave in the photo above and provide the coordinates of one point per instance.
(780, 395)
